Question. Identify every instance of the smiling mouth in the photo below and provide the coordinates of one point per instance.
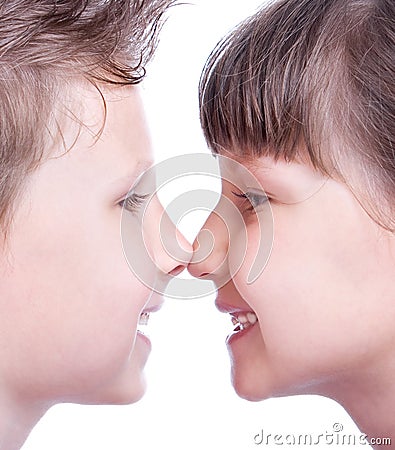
(144, 317)
(243, 320)
(145, 314)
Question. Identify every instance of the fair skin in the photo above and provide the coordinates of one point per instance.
(69, 303)
(324, 303)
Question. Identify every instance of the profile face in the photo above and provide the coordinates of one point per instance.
(320, 311)
(70, 305)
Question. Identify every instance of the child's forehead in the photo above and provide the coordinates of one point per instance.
(251, 161)
(241, 172)
(244, 158)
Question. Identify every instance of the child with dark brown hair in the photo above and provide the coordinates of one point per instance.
(302, 91)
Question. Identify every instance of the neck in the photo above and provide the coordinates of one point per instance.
(17, 419)
(369, 397)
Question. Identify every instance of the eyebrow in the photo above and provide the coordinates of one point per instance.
(140, 167)
(126, 181)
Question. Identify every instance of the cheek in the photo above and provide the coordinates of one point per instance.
(315, 300)
(75, 299)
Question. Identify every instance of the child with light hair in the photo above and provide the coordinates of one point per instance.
(73, 139)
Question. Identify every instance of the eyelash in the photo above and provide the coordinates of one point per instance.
(248, 198)
(133, 202)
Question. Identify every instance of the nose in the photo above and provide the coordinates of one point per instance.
(210, 249)
(168, 248)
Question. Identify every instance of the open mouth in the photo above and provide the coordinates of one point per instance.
(145, 314)
(243, 320)
(144, 317)
(142, 323)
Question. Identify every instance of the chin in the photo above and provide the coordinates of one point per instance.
(250, 379)
(123, 386)
(124, 395)
(257, 382)
(251, 375)
(124, 390)
(249, 387)
(130, 385)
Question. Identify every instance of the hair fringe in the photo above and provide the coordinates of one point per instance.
(315, 79)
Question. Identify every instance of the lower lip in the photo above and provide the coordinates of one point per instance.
(143, 338)
(236, 335)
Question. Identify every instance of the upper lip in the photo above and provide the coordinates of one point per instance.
(152, 308)
(154, 303)
(230, 301)
(230, 309)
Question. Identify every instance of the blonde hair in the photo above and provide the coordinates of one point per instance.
(42, 44)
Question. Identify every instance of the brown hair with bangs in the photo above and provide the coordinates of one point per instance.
(311, 78)
(43, 43)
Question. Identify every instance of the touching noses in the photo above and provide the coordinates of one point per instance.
(169, 249)
(210, 249)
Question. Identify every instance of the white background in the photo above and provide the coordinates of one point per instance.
(189, 403)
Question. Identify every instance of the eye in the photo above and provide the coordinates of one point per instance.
(252, 200)
(133, 202)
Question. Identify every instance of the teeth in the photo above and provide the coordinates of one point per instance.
(143, 320)
(252, 318)
(244, 320)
